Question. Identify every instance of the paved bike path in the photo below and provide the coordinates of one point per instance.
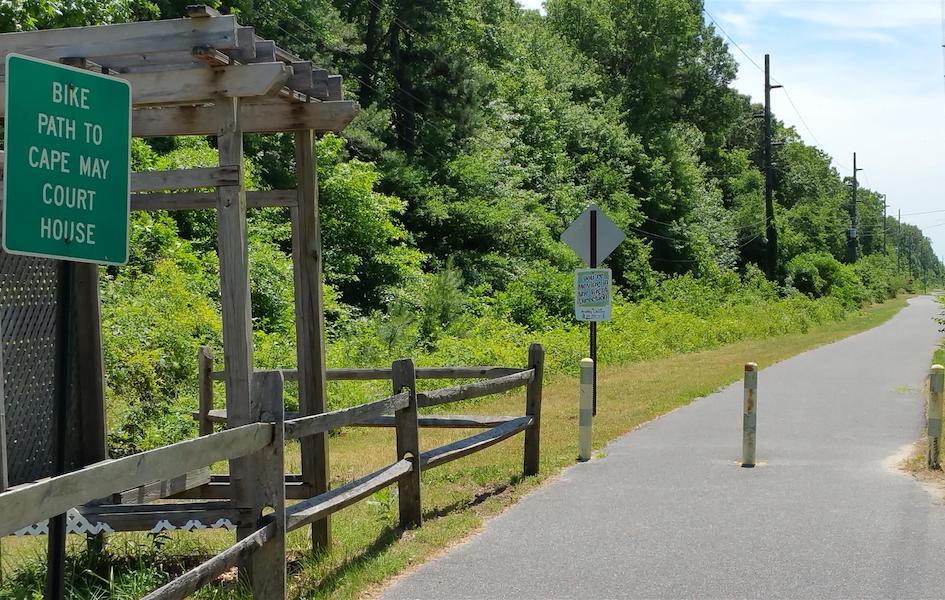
(668, 513)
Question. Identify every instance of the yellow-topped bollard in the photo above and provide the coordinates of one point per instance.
(934, 415)
(750, 415)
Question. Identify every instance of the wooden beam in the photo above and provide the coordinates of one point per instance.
(442, 421)
(306, 426)
(178, 179)
(191, 581)
(319, 84)
(466, 446)
(319, 507)
(204, 85)
(381, 374)
(301, 78)
(475, 390)
(33, 502)
(409, 504)
(144, 37)
(256, 118)
(164, 489)
(221, 490)
(310, 322)
(335, 92)
(138, 517)
(536, 362)
(90, 362)
(233, 249)
(205, 200)
(205, 390)
(210, 56)
(201, 11)
(264, 52)
(267, 565)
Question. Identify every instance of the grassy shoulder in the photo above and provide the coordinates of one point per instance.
(459, 497)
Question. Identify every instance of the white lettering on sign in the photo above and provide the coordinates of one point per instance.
(66, 231)
(93, 134)
(60, 195)
(91, 166)
(70, 95)
(55, 126)
(51, 160)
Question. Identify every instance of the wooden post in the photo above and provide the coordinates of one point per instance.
(205, 383)
(536, 361)
(404, 376)
(310, 325)
(267, 565)
(234, 292)
(936, 384)
(89, 362)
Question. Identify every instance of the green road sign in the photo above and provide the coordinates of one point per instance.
(68, 145)
(592, 294)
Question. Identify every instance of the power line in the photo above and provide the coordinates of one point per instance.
(734, 43)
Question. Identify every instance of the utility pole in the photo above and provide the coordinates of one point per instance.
(852, 234)
(885, 250)
(771, 231)
(898, 239)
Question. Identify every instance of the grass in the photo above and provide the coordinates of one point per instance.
(459, 497)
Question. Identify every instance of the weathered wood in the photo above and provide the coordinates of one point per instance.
(200, 11)
(382, 374)
(319, 84)
(310, 425)
(234, 292)
(246, 45)
(218, 490)
(199, 84)
(179, 179)
(33, 502)
(335, 92)
(164, 489)
(404, 379)
(466, 446)
(267, 565)
(203, 85)
(2, 161)
(475, 390)
(320, 507)
(136, 517)
(310, 323)
(442, 421)
(199, 576)
(205, 200)
(89, 362)
(205, 389)
(536, 362)
(210, 56)
(256, 118)
(301, 78)
(265, 52)
(123, 38)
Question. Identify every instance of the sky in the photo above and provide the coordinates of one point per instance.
(866, 76)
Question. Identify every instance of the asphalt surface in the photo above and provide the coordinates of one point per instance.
(669, 513)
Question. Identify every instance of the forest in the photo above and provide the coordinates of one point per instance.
(484, 130)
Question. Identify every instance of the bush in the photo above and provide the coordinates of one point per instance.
(817, 275)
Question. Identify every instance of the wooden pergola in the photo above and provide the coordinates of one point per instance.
(208, 75)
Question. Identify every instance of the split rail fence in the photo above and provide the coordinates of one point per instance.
(264, 520)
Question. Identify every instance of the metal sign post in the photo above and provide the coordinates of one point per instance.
(66, 196)
(593, 236)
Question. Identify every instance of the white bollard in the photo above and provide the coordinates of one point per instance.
(934, 416)
(750, 415)
(586, 414)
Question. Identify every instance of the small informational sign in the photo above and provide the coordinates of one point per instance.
(592, 294)
(67, 152)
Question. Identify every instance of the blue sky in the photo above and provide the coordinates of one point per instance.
(867, 76)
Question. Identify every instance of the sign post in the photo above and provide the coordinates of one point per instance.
(593, 236)
(66, 196)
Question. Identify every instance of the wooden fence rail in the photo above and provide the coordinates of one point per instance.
(260, 547)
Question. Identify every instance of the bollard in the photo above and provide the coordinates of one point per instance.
(586, 414)
(936, 384)
(750, 416)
